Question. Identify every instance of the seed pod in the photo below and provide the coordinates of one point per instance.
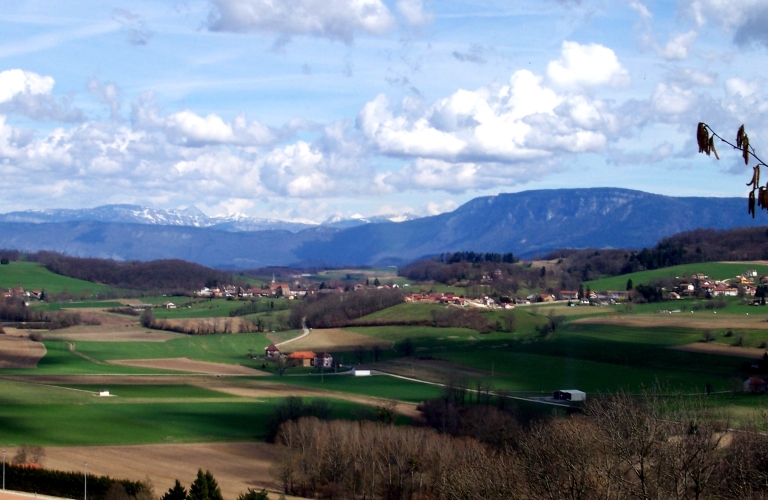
(712, 146)
(765, 198)
(755, 177)
(745, 149)
(751, 204)
(702, 137)
(760, 196)
(740, 136)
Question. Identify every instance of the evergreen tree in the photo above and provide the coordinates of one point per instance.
(629, 284)
(204, 487)
(178, 492)
(376, 282)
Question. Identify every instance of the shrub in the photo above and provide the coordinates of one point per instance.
(708, 336)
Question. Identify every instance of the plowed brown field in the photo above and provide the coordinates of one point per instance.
(236, 466)
(334, 339)
(17, 351)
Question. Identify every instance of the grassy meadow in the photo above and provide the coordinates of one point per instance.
(33, 276)
(715, 270)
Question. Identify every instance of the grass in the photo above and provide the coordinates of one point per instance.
(100, 423)
(716, 270)
(379, 386)
(33, 276)
(206, 308)
(57, 306)
(59, 360)
(224, 348)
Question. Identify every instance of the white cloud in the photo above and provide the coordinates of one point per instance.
(413, 12)
(333, 19)
(671, 99)
(738, 86)
(296, 170)
(188, 128)
(512, 123)
(437, 208)
(16, 81)
(745, 19)
(678, 46)
(586, 66)
(29, 94)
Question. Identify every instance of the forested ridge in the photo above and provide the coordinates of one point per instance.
(166, 275)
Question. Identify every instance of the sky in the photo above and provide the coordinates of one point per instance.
(304, 109)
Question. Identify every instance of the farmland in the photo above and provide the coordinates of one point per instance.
(715, 270)
(169, 389)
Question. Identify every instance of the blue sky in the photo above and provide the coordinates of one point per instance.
(302, 109)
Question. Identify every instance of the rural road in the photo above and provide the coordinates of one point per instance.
(306, 332)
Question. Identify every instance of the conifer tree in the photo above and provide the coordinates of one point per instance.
(178, 492)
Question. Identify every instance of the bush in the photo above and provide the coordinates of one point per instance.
(729, 333)
(708, 336)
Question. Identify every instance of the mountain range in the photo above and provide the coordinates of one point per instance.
(192, 217)
(525, 223)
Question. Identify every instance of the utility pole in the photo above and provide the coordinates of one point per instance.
(85, 482)
(3, 470)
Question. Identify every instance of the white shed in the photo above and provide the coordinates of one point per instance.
(103, 394)
(570, 395)
(360, 373)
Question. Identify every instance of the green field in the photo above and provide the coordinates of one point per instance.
(33, 276)
(379, 386)
(715, 270)
(220, 348)
(58, 306)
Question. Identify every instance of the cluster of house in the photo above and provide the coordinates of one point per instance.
(452, 298)
(19, 292)
(746, 283)
(301, 358)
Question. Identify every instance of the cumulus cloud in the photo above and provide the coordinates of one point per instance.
(332, 19)
(188, 128)
(29, 94)
(517, 122)
(15, 81)
(586, 66)
(678, 46)
(413, 12)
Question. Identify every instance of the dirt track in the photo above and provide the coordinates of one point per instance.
(17, 351)
(189, 365)
(699, 320)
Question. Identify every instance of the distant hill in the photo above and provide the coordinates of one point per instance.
(526, 223)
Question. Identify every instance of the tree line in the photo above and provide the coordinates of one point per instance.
(620, 447)
(333, 310)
